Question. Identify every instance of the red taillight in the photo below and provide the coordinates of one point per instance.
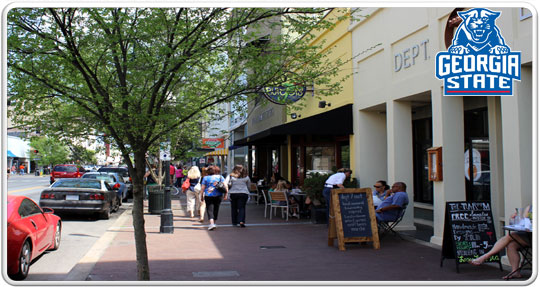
(97, 196)
(47, 195)
(130, 179)
(78, 174)
(116, 185)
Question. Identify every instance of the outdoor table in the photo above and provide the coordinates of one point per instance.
(300, 198)
(525, 251)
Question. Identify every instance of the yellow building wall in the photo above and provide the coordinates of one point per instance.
(339, 42)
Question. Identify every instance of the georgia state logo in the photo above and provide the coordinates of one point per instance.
(478, 62)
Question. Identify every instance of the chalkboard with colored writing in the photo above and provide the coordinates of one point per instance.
(469, 232)
(352, 217)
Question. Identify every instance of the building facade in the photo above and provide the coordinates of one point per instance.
(399, 112)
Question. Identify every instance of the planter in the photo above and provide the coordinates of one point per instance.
(318, 214)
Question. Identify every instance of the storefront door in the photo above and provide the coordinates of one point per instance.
(476, 165)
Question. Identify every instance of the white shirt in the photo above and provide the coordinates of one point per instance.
(337, 178)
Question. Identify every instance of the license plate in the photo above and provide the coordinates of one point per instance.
(72, 197)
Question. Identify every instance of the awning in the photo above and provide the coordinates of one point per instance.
(218, 152)
(10, 154)
(336, 122)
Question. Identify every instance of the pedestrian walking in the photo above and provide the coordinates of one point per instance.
(238, 182)
(172, 172)
(202, 207)
(179, 174)
(13, 170)
(21, 169)
(212, 196)
(193, 191)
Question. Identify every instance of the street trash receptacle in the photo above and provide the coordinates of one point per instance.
(156, 196)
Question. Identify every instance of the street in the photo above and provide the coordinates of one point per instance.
(79, 233)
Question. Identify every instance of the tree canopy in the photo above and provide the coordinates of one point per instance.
(137, 74)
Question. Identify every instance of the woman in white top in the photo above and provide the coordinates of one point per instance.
(334, 181)
(239, 194)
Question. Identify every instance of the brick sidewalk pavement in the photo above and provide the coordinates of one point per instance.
(271, 250)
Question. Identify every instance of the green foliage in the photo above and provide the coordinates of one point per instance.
(351, 182)
(314, 185)
(51, 151)
(82, 155)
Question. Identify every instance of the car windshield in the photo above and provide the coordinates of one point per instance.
(120, 171)
(78, 184)
(105, 177)
(65, 168)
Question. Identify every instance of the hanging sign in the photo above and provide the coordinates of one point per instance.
(213, 143)
(284, 94)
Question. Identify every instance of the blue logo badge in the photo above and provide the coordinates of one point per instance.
(478, 62)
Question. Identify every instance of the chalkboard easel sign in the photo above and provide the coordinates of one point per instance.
(468, 232)
(352, 217)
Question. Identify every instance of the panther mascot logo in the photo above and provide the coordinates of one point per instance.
(477, 34)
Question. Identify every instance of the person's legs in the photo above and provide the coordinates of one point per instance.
(242, 209)
(217, 203)
(190, 200)
(234, 208)
(210, 209)
(513, 258)
(326, 194)
(499, 245)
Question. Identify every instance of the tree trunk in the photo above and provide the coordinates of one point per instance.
(143, 269)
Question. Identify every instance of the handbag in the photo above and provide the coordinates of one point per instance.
(197, 187)
(229, 182)
(220, 186)
(186, 184)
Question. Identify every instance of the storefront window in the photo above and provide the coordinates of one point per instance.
(422, 133)
(320, 159)
(476, 156)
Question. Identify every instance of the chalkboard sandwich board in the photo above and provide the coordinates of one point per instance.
(468, 232)
(352, 217)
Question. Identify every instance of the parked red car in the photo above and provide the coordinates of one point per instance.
(66, 171)
(30, 232)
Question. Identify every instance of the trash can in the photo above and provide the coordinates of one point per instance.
(156, 198)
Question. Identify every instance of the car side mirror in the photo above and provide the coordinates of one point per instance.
(48, 210)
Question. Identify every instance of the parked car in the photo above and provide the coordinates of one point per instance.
(123, 172)
(66, 171)
(115, 180)
(30, 232)
(80, 196)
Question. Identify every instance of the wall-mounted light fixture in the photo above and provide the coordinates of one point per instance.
(294, 116)
(323, 104)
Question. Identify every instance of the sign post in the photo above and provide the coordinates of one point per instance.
(352, 217)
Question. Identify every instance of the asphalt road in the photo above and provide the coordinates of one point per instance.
(79, 233)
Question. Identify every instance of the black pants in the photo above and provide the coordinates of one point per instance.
(179, 181)
(238, 207)
(212, 206)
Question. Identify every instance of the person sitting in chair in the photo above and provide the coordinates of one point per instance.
(390, 208)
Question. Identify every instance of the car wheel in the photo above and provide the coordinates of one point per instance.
(106, 214)
(116, 204)
(25, 258)
(57, 236)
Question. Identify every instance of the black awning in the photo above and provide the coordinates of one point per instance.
(335, 122)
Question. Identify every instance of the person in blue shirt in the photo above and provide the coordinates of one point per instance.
(211, 196)
(390, 208)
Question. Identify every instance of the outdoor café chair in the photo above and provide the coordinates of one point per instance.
(277, 198)
(254, 193)
(389, 226)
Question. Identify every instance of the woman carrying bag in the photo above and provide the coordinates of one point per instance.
(192, 187)
(238, 183)
(214, 191)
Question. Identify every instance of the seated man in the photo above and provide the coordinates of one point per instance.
(390, 208)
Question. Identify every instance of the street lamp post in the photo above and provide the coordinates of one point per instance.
(166, 214)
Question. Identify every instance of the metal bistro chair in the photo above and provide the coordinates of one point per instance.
(388, 226)
(254, 193)
(276, 197)
(267, 202)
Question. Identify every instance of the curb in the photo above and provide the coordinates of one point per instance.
(82, 269)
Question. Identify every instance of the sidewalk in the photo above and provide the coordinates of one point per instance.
(268, 250)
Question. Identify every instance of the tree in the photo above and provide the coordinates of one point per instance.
(51, 151)
(137, 74)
